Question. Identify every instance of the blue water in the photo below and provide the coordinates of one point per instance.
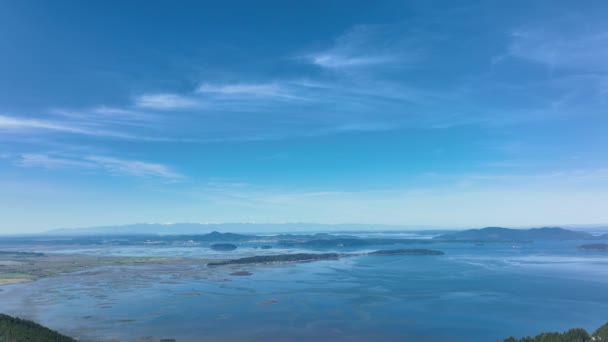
(473, 293)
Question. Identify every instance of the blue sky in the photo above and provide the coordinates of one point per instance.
(438, 113)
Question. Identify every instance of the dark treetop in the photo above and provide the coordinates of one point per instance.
(572, 335)
(14, 329)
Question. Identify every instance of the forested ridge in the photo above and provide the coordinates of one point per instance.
(13, 329)
(572, 335)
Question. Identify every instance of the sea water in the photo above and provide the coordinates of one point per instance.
(472, 293)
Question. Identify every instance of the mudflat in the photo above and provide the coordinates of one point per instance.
(21, 267)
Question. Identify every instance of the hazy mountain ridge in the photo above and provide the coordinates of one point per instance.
(500, 234)
(304, 240)
(186, 228)
(203, 228)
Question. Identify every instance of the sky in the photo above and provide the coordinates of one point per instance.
(434, 113)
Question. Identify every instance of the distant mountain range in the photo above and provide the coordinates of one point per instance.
(499, 234)
(172, 233)
(573, 232)
(202, 228)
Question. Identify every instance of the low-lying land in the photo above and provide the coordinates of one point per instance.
(281, 258)
(307, 257)
(594, 247)
(20, 267)
(406, 252)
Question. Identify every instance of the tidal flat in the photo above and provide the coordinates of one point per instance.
(20, 267)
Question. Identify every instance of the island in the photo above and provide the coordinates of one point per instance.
(594, 247)
(499, 234)
(318, 241)
(406, 252)
(274, 259)
(307, 257)
(224, 246)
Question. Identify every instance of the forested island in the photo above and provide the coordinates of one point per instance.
(594, 247)
(304, 257)
(271, 259)
(224, 246)
(406, 252)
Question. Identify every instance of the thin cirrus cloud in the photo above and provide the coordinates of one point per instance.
(135, 167)
(367, 46)
(333, 102)
(122, 114)
(577, 59)
(166, 101)
(111, 165)
(17, 124)
(50, 162)
(103, 115)
(576, 49)
(263, 90)
(336, 60)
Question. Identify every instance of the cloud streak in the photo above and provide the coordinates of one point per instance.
(135, 167)
(166, 101)
(116, 166)
(359, 96)
(247, 90)
(11, 123)
(366, 46)
(577, 49)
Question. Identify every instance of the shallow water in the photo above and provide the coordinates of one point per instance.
(473, 293)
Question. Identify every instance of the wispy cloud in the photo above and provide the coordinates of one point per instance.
(364, 46)
(123, 114)
(332, 59)
(264, 90)
(50, 162)
(107, 116)
(575, 49)
(166, 101)
(112, 165)
(135, 167)
(16, 124)
(354, 98)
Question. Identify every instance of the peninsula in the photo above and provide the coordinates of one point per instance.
(307, 257)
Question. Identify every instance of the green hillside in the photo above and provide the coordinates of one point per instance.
(14, 329)
(572, 335)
